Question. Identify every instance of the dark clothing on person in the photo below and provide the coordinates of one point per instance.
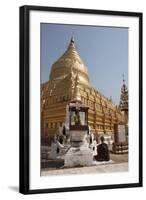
(102, 152)
(64, 131)
(61, 139)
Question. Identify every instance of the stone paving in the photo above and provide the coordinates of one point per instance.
(119, 163)
(121, 167)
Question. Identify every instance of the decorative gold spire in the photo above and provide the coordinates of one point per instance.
(124, 97)
(70, 60)
(72, 39)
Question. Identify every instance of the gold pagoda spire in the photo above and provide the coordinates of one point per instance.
(70, 60)
(72, 39)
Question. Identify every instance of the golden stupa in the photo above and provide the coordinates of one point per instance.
(68, 80)
(69, 62)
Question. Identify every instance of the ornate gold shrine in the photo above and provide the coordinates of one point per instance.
(69, 80)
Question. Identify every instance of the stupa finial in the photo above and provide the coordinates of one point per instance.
(123, 79)
(72, 38)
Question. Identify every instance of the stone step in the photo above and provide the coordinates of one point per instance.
(52, 163)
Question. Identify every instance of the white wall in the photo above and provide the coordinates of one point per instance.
(9, 86)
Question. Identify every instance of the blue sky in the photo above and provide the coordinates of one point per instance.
(104, 50)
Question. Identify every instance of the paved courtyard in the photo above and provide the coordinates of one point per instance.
(118, 163)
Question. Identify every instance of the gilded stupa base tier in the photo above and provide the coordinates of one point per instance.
(102, 114)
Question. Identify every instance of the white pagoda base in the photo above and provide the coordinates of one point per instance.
(81, 156)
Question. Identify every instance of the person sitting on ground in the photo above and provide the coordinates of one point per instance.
(102, 151)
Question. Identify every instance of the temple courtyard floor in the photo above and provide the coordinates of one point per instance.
(118, 163)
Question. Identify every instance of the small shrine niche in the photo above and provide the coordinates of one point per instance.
(78, 116)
